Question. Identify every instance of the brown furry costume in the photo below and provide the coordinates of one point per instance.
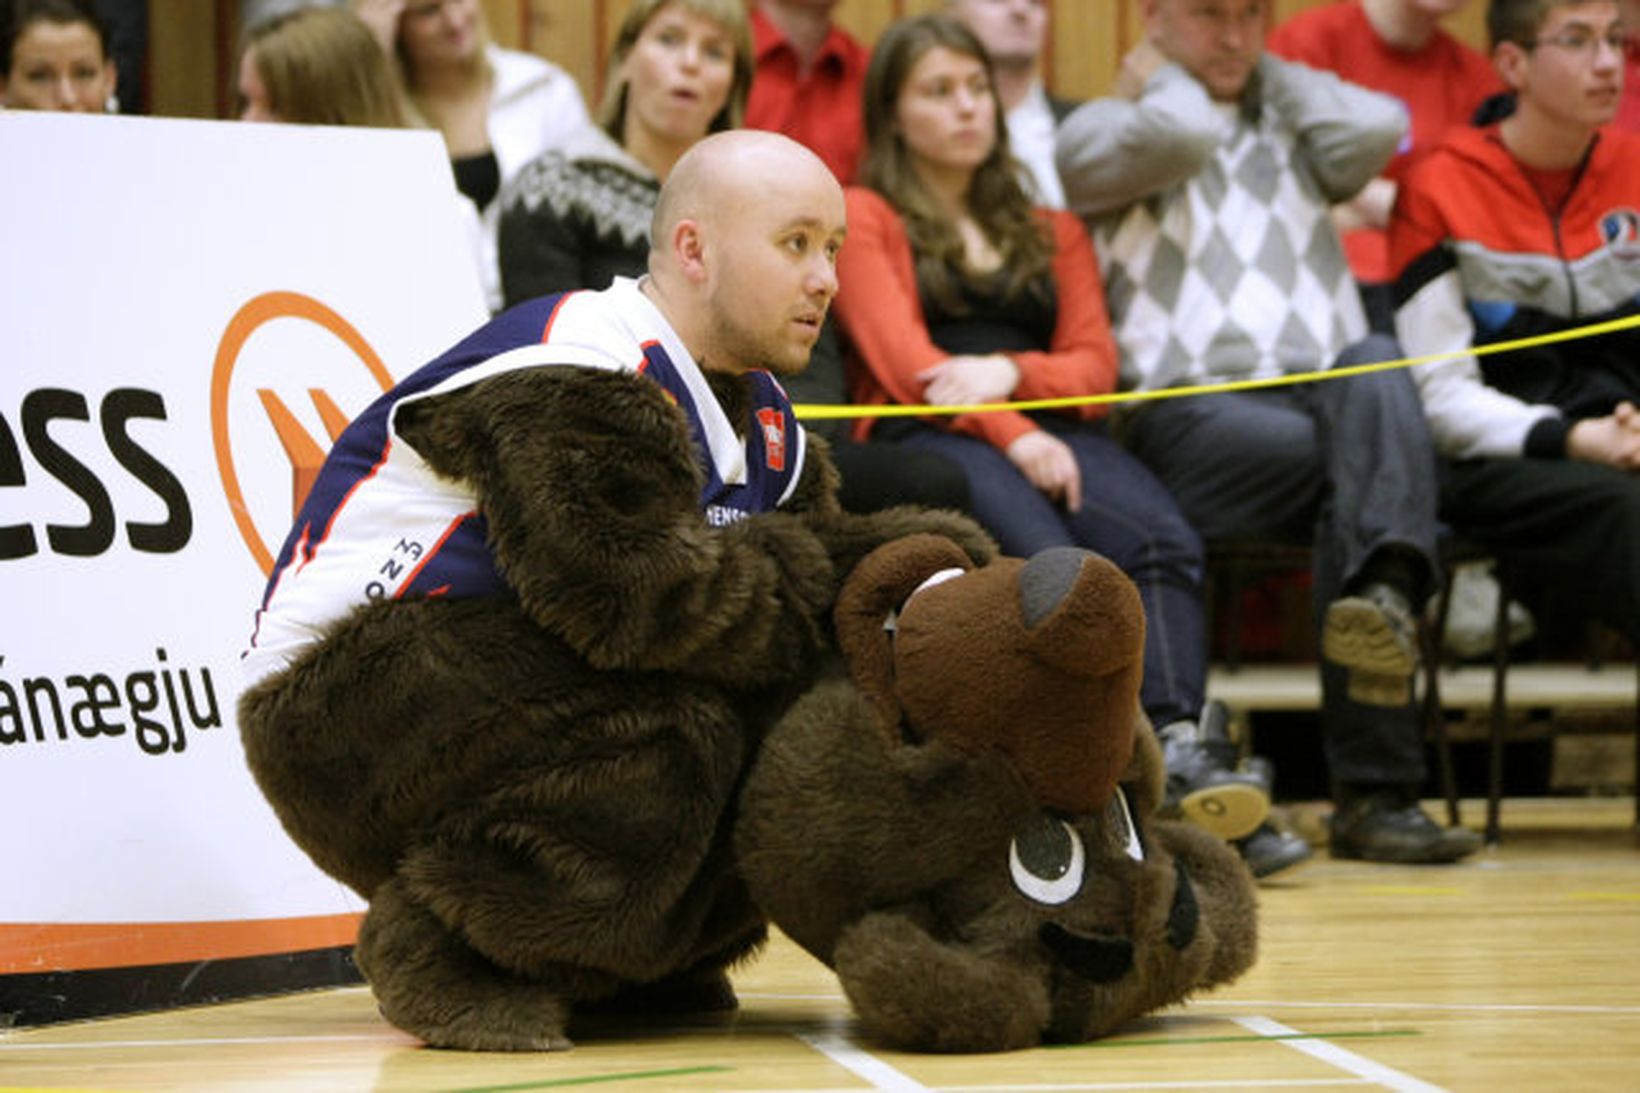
(596, 795)
(959, 818)
(533, 792)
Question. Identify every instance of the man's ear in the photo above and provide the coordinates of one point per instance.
(1510, 59)
(689, 249)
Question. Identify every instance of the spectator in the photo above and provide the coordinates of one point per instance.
(497, 108)
(1399, 48)
(324, 66)
(809, 76)
(1526, 228)
(318, 66)
(54, 56)
(578, 216)
(1208, 180)
(1014, 33)
(956, 291)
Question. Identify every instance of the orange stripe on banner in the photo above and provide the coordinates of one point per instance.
(32, 948)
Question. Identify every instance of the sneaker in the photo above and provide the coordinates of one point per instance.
(1373, 634)
(1472, 613)
(1270, 850)
(1391, 827)
(1203, 788)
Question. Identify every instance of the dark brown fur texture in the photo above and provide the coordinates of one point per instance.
(535, 793)
(909, 850)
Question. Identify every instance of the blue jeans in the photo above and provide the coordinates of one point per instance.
(1346, 465)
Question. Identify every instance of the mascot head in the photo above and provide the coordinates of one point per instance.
(961, 823)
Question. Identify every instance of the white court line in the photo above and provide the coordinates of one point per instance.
(861, 1063)
(1102, 1087)
(1448, 1007)
(1329, 1052)
(204, 1041)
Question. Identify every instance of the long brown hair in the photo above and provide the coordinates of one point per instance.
(728, 14)
(997, 199)
(323, 66)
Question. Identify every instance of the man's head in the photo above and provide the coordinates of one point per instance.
(743, 252)
(1217, 41)
(1562, 58)
(1012, 31)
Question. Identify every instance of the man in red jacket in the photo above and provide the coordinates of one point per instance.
(1529, 227)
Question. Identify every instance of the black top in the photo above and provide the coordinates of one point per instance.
(989, 323)
(479, 177)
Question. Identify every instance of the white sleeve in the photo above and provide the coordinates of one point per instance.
(1468, 417)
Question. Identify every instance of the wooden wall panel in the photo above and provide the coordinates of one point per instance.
(192, 44)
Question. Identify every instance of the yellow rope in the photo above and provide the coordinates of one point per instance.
(826, 411)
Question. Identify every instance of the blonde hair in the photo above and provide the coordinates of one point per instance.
(322, 66)
(729, 14)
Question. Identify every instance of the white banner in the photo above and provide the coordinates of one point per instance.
(188, 312)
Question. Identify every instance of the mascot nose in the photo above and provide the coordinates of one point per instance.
(1082, 613)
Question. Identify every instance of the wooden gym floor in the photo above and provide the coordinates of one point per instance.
(1519, 970)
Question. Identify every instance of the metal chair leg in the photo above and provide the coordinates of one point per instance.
(1500, 705)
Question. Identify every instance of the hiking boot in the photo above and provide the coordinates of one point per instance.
(1390, 826)
(1373, 635)
(1203, 787)
(1270, 850)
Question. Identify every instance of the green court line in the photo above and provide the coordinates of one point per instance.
(1185, 1040)
(559, 1083)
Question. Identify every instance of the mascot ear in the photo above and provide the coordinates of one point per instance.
(914, 992)
(876, 588)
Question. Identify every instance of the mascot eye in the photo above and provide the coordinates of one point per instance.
(1047, 862)
(1123, 832)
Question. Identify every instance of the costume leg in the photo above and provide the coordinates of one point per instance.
(489, 792)
(431, 984)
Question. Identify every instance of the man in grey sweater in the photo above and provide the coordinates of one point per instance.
(1207, 180)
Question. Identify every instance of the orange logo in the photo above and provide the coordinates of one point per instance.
(304, 453)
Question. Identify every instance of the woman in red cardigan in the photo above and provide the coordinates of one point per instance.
(956, 291)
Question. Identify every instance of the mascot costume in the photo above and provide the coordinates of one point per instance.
(590, 778)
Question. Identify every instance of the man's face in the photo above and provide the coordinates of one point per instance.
(1217, 41)
(1012, 31)
(1572, 74)
(773, 274)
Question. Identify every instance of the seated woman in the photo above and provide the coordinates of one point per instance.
(54, 56)
(497, 108)
(324, 66)
(578, 216)
(956, 291)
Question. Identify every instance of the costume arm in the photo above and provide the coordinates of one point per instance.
(1348, 133)
(879, 311)
(539, 249)
(1467, 416)
(1082, 358)
(1113, 151)
(589, 484)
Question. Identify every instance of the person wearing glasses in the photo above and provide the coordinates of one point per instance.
(1529, 227)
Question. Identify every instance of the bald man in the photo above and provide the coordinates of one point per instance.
(742, 271)
(594, 519)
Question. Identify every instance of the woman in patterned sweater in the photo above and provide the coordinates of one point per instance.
(578, 215)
